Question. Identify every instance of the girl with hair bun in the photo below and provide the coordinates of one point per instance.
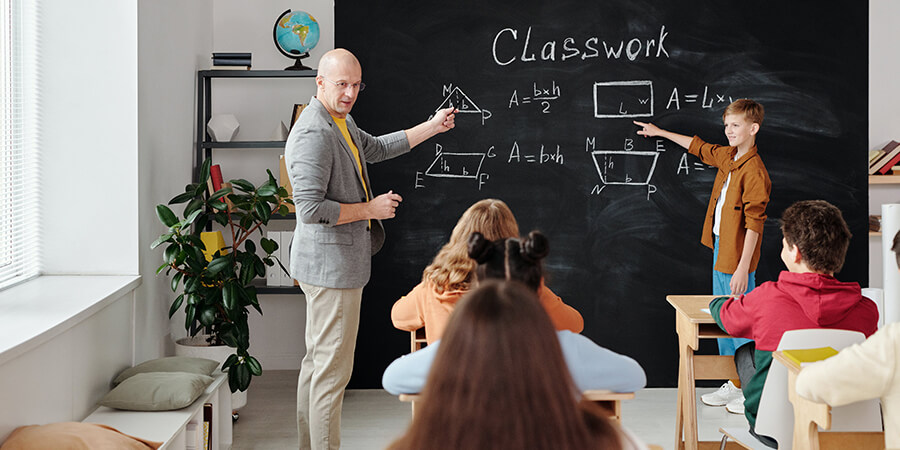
(452, 273)
(590, 365)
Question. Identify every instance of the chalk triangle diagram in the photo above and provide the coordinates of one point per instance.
(459, 100)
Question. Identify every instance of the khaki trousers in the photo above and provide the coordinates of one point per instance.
(332, 322)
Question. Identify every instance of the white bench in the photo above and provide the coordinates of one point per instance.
(170, 427)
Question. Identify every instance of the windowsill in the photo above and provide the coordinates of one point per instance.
(38, 310)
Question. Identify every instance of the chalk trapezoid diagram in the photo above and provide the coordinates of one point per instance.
(459, 100)
(456, 165)
(625, 167)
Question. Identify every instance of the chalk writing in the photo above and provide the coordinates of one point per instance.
(455, 165)
(509, 46)
(544, 156)
(707, 101)
(542, 95)
(620, 99)
(683, 165)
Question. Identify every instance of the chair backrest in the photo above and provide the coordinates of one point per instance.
(877, 296)
(775, 417)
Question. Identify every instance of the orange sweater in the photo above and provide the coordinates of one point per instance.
(745, 201)
(424, 307)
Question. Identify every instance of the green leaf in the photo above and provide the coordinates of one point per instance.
(218, 264)
(263, 211)
(242, 372)
(175, 280)
(232, 379)
(171, 252)
(243, 185)
(246, 221)
(190, 218)
(271, 177)
(231, 360)
(254, 365)
(201, 223)
(160, 240)
(166, 216)
(268, 245)
(218, 205)
(229, 297)
(248, 272)
(204, 169)
(269, 262)
(222, 218)
(193, 206)
(160, 268)
(191, 284)
(175, 305)
(259, 267)
(220, 193)
(283, 210)
(189, 312)
(207, 316)
(181, 198)
(267, 190)
(250, 246)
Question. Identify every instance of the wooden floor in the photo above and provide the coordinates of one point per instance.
(373, 418)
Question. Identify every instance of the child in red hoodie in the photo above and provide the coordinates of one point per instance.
(807, 296)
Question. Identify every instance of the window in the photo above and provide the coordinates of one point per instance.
(19, 246)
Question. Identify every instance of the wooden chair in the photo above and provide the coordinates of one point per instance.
(417, 339)
(607, 400)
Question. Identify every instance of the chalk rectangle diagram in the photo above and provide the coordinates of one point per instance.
(619, 99)
(456, 165)
(625, 167)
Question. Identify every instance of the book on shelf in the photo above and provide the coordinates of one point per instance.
(215, 175)
(874, 155)
(807, 356)
(298, 108)
(231, 55)
(207, 425)
(214, 67)
(890, 158)
(231, 61)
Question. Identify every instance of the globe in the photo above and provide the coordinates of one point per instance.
(295, 34)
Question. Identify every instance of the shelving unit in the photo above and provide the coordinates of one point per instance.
(205, 145)
(884, 179)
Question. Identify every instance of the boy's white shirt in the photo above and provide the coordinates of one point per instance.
(721, 202)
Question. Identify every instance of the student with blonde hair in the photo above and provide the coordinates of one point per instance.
(500, 381)
(452, 273)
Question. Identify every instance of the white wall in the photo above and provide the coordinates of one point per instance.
(62, 380)
(884, 113)
(175, 39)
(89, 212)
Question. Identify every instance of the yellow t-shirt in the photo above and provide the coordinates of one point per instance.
(342, 124)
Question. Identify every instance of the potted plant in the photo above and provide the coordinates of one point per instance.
(216, 294)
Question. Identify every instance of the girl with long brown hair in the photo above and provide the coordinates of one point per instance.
(500, 381)
(451, 274)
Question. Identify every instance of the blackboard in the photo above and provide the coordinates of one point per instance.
(550, 90)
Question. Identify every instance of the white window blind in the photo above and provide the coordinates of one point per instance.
(19, 113)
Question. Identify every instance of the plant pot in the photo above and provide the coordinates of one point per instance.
(198, 348)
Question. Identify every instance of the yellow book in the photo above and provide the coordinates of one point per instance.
(809, 355)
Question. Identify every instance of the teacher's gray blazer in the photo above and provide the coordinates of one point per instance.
(324, 174)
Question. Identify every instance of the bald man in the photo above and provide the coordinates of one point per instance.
(338, 230)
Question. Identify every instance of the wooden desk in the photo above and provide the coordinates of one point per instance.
(810, 415)
(692, 324)
(610, 402)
